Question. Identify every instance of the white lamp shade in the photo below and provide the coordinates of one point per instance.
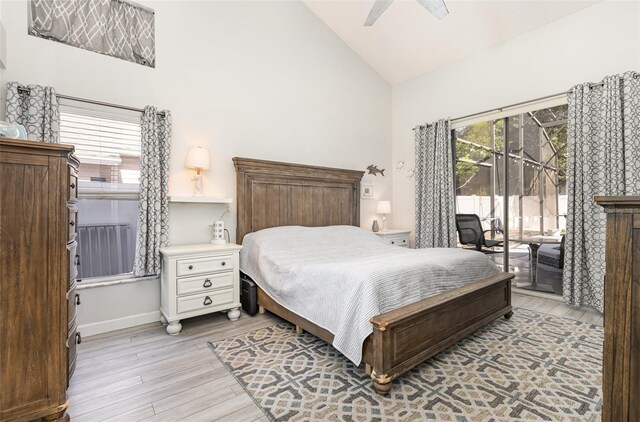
(197, 158)
(384, 207)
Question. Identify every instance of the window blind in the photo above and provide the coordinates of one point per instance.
(108, 144)
(100, 140)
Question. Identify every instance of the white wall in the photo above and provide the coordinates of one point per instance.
(598, 41)
(255, 79)
(116, 306)
(258, 79)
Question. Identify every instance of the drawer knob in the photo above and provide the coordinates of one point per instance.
(73, 185)
(77, 299)
(393, 243)
(191, 267)
(72, 223)
(78, 260)
(223, 263)
(207, 301)
(78, 338)
(207, 283)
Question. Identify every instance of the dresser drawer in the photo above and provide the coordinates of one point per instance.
(204, 283)
(71, 304)
(205, 300)
(73, 183)
(72, 348)
(186, 267)
(72, 251)
(73, 222)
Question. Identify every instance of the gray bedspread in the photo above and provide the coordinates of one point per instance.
(338, 277)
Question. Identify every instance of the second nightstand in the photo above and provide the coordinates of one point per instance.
(395, 237)
(197, 280)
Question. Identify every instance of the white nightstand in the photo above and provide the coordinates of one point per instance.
(197, 280)
(395, 237)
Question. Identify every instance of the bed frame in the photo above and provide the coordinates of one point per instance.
(272, 194)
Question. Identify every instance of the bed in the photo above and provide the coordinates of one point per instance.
(292, 199)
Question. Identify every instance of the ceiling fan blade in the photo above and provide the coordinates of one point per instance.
(436, 7)
(379, 6)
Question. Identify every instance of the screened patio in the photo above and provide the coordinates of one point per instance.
(525, 156)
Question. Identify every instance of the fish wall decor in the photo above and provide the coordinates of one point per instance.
(375, 170)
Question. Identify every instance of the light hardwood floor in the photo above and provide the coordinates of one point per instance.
(143, 374)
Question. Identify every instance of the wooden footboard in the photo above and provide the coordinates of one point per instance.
(407, 336)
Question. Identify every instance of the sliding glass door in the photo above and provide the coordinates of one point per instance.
(534, 147)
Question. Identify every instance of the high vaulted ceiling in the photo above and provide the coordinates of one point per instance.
(408, 41)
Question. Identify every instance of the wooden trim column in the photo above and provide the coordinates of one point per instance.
(621, 364)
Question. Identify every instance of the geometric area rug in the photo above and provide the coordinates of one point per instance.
(533, 367)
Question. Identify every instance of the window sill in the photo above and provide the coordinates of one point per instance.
(93, 282)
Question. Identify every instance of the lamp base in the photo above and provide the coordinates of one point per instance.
(219, 242)
(197, 186)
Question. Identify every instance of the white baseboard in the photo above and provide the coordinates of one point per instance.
(95, 328)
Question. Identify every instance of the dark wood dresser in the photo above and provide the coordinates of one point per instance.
(38, 194)
(621, 365)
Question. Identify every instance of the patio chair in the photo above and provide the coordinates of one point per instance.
(470, 232)
(549, 266)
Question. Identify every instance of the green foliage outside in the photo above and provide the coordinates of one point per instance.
(480, 133)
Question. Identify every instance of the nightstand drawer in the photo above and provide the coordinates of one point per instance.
(395, 237)
(204, 283)
(397, 241)
(205, 300)
(186, 267)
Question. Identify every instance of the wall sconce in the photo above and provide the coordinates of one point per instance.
(198, 159)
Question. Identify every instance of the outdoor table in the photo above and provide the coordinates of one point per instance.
(534, 243)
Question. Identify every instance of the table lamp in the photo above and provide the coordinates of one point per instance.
(384, 208)
(198, 159)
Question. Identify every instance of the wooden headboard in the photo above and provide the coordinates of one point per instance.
(272, 194)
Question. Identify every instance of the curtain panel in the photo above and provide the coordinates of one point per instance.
(36, 108)
(112, 27)
(153, 206)
(435, 195)
(603, 159)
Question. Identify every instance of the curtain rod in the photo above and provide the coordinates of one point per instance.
(594, 85)
(100, 103)
(493, 110)
(546, 97)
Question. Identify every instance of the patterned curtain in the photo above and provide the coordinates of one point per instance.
(36, 108)
(435, 196)
(604, 159)
(153, 207)
(112, 27)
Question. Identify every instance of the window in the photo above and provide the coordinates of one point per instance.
(108, 143)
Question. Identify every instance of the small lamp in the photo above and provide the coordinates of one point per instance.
(198, 159)
(384, 208)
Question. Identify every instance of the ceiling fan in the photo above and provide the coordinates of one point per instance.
(436, 7)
